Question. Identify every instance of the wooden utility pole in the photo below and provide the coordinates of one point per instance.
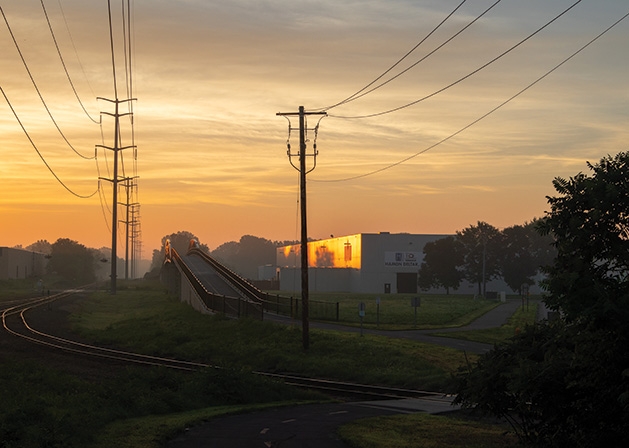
(303, 170)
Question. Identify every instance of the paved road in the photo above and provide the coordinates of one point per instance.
(315, 425)
(492, 319)
(296, 426)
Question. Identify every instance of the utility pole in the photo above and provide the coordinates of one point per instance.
(116, 149)
(302, 154)
(136, 243)
(129, 185)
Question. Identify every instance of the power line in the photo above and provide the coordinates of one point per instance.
(39, 153)
(74, 47)
(65, 69)
(37, 88)
(360, 93)
(429, 54)
(111, 41)
(504, 53)
(400, 162)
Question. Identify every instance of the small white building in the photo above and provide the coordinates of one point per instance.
(20, 263)
(363, 263)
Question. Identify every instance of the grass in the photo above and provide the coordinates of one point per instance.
(523, 316)
(146, 406)
(396, 313)
(17, 289)
(425, 431)
(130, 408)
(154, 323)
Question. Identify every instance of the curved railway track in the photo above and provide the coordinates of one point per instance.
(15, 322)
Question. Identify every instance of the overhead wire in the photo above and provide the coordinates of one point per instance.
(6, 21)
(483, 116)
(65, 69)
(458, 81)
(360, 93)
(427, 55)
(113, 57)
(65, 21)
(40, 154)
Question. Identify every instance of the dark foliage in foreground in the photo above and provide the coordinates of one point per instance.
(566, 383)
(558, 385)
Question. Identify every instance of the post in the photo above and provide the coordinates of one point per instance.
(114, 203)
(304, 232)
(304, 221)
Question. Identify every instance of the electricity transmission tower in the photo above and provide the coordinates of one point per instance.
(116, 148)
(129, 185)
(136, 239)
(303, 170)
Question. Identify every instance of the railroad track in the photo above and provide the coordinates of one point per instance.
(14, 321)
(341, 388)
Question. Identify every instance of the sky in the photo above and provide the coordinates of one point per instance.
(210, 77)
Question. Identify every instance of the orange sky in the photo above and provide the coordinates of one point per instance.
(210, 77)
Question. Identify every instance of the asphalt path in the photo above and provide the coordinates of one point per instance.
(494, 318)
(306, 426)
(310, 426)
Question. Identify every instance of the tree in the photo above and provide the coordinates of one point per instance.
(566, 383)
(440, 267)
(590, 223)
(246, 255)
(481, 245)
(518, 265)
(179, 241)
(41, 246)
(542, 244)
(72, 261)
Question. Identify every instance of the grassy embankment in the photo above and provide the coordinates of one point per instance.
(523, 316)
(17, 289)
(155, 324)
(396, 313)
(426, 431)
(143, 407)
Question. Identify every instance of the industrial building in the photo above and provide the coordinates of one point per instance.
(373, 263)
(363, 263)
(20, 263)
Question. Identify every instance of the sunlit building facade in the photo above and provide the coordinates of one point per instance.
(383, 263)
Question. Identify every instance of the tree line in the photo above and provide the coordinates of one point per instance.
(481, 252)
(478, 254)
(71, 263)
(243, 256)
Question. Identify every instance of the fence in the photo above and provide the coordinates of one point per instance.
(290, 306)
(258, 301)
(230, 306)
